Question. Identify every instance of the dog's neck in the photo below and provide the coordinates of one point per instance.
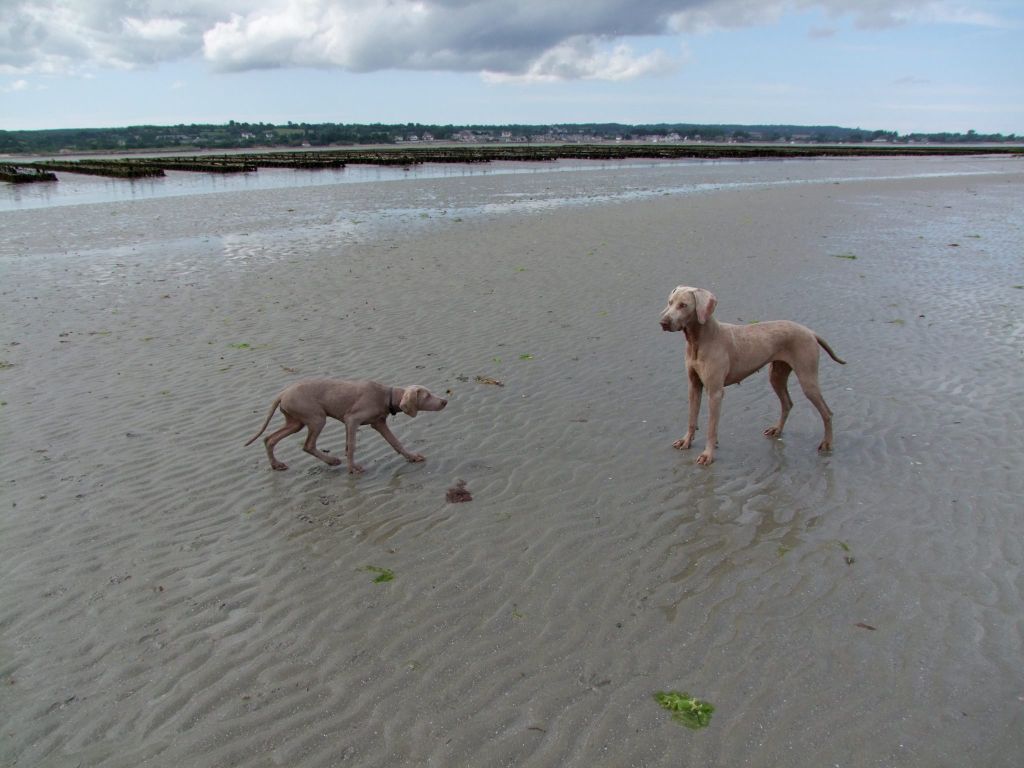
(696, 332)
(392, 408)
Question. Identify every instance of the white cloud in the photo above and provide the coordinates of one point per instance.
(702, 17)
(580, 59)
(17, 85)
(910, 80)
(154, 30)
(522, 41)
(73, 36)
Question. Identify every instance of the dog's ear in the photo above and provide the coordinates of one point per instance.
(410, 402)
(706, 303)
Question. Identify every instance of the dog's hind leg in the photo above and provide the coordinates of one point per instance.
(809, 384)
(291, 426)
(778, 375)
(315, 427)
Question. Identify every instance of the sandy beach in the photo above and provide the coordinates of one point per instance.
(168, 600)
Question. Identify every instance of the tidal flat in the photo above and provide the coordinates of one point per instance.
(166, 599)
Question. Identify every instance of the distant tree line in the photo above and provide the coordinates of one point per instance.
(240, 135)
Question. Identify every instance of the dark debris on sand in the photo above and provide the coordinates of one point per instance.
(458, 493)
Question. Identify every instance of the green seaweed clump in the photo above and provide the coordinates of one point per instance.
(686, 710)
(383, 574)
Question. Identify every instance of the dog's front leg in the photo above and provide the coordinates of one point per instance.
(715, 394)
(387, 434)
(696, 389)
(351, 427)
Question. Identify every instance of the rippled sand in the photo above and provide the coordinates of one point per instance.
(167, 600)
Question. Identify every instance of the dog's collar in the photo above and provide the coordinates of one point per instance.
(392, 408)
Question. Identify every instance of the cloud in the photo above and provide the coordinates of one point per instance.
(71, 36)
(580, 58)
(17, 85)
(911, 81)
(529, 39)
(522, 41)
(821, 33)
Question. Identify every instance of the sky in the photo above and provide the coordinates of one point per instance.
(895, 65)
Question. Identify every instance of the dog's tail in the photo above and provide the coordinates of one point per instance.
(821, 341)
(270, 415)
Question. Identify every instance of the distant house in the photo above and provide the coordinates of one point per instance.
(473, 136)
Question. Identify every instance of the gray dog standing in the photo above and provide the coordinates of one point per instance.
(720, 354)
(309, 402)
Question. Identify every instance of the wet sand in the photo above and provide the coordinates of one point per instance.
(166, 599)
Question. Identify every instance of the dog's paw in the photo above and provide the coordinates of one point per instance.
(772, 431)
(705, 459)
(415, 458)
(683, 444)
(355, 469)
(279, 466)
(333, 461)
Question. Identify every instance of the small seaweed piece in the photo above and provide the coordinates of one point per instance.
(384, 574)
(489, 380)
(686, 710)
(850, 256)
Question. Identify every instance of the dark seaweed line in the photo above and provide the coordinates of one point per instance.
(115, 168)
(17, 174)
(338, 158)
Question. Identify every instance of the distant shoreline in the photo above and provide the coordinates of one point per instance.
(155, 162)
(769, 148)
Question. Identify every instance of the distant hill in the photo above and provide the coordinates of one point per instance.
(234, 135)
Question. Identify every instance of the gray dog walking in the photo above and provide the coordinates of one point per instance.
(309, 402)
